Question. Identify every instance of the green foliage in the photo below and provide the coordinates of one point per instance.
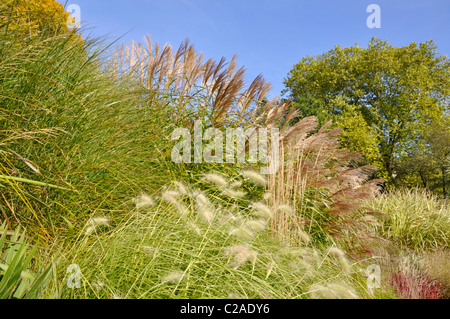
(29, 17)
(194, 244)
(427, 163)
(397, 90)
(74, 140)
(17, 280)
(414, 219)
(307, 105)
(82, 133)
(357, 136)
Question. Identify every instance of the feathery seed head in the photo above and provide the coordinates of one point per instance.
(286, 209)
(270, 266)
(216, 179)
(148, 250)
(236, 184)
(336, 251)
(206, 214)
(255, 225)
(370, 220)
(304, 237)
(194, 227)
(171, 196)
(255, 177)
(233, 193)
(346, 267)
(182, 188)
(341, 256)
(98, 285)
(201, 198)
(342, 291)
(240, 254)
(262, 210)
(173, 277)
(226, 218)
(95, 222)
(99, 221)
(332, 291)
(242, 232)
(143, 201)
(204, 207)
(267, 195)
(89, 230)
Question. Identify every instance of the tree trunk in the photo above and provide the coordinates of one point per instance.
(423, 179)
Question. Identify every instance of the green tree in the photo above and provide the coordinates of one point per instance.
(357, 136)
(438, 138)
(427, 163)
(397, 91)
(307, 105)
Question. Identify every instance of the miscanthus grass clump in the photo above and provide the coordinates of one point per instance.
(413, 218)
(193, 243)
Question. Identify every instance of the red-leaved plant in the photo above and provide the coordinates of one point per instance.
(415, 285)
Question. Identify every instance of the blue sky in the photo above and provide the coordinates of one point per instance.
(268, 36)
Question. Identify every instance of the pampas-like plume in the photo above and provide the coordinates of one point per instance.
(286, 209)
(240, 255)
(242, 232)
(255, 225)
(262, 210)
(334, 290)
(267, 196)
(255, 177)
(304, 236)
(315, 173)
(216, 179)
(173, 277)
(204, 207)
(342, 259)
(182, 189)
(177, 75)
(95, 222)
(143, 201)
(171, 196)
(236, 184)
(233, 193)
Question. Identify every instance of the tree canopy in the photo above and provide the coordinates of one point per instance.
(385, 98)
(33, 16)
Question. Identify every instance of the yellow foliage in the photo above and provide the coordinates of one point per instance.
(358, 136)
(33, 16)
